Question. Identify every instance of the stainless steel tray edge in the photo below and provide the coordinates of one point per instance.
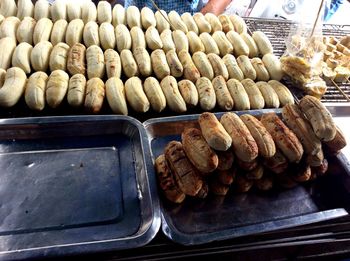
(138, 240)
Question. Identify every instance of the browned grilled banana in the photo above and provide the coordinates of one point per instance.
(76, 90)
(263, 138)
(295, 120)
(320, 118)
(113, 64)
(186, 176)
(243, 143)
(198, 151)
(167, 182)
(278, 163)
(95, 94)
(226, 159)
(213, 132)
(338, 143)
(284, 138)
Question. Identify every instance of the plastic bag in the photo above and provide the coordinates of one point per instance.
(303, 59)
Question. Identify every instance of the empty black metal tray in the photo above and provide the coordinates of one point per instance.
(71, 185)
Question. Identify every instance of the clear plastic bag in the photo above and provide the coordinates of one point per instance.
(303, 59)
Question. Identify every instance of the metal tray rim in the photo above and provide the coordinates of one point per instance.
(133, 241)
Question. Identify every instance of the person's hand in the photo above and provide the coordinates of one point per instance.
(215, 7)
(210, 7)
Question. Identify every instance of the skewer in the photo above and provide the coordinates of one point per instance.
(341, 91)
(318, 15)
(158, 9)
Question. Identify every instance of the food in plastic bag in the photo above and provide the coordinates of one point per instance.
(303, 59)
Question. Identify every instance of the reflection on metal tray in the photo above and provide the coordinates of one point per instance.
(277, 30)
(217, 218)
(72, 185)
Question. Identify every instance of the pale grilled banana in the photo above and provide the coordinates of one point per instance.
(115, 94)
(154, 94)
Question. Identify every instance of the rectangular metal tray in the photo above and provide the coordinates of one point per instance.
(217, 218)
(73, 185)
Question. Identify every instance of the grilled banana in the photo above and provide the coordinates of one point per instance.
(295, 120)
(243, 143)
(214, 132)
(154, 94)
(238, 94)
(135, 95)
(269, 94)
(115, 93)
(207, 97)
(320, 118)
(284, 138)
(256, 99)
(172, 94)
(262, 137)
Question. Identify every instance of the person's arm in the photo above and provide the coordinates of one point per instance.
(215, 6)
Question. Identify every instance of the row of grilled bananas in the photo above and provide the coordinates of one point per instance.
(246, 151)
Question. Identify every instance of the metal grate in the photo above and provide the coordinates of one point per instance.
(278, 30)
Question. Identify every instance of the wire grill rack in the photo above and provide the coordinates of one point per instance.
(278, 30)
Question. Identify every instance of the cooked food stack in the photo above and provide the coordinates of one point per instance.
(336, 59)
(303, 64)
(83, 45)
(242, 152)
